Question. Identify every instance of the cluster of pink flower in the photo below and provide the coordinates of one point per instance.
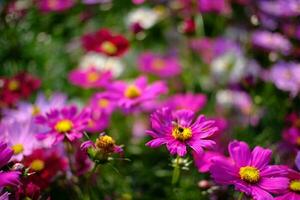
(54, 138)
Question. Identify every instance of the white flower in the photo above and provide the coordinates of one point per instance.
(145, 17)
(101, 62)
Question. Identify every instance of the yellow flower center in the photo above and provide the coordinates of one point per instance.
(158, 63)
(249, 174)
(103, 103)
(132, 92)
(108, 47)
(37, 165)
(105, 143)
(180, 133)
(18, 148)
(13, 85)
(295, 185)
(36, 110)
(63, 126)
(92, 77)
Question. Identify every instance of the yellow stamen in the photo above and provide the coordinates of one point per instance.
(37, 165)
(92, 77)
(108, 47)
(132, 92)
(13, 85)
(18, 148)
(36, 110)
(181, 133)
(158, 63)
(103, 103)
(295, 185)
(105, 143)
(63, 126)
(249, 174)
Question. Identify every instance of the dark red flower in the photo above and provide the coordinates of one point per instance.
(105, 42)
(46, 164)
(17, 87)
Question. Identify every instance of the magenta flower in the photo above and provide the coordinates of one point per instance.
(103, 101)
(90, 78)
(271, 41)
(98, 121)
(189, 101)
(177, 130)
(20, 136)
(55, 5)
(137, 94)
(218, 6)
(204, 161)
(7, 178)
(62, 123)
(249, 171)
(159, 65)
(285, 76)
(293, 189)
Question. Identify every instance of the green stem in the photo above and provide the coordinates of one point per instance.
(241, 195)
(176, 172)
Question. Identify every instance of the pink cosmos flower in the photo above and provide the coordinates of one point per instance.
(137, 94)
(249, 171)
(177, 130)
(55, 5)
(103, 101)
(90, 78)
(20, 136)
(7, 178)
(189, 101)
(218, 6)
(161, 66)
(62, 123)
(42, 104)
(98, 121)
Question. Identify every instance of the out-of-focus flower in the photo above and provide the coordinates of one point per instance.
(271, 41)
(188, 26)
(161, 66)
(188, 101)
(250, 172)
(55, 5)
(177, 130)
(239, 104)
(98, 121)
(106, 42)
(209, 49)
(90, 78)
(217, 6)
(101, 63)
(7, 178)
(20, 136)
(101, 149)
(95, 1)
(17, 87)
(292, 136)
(25, 111)
(137, 94)
(65, 122)
(285, 76)
(142, 19)
(4, 196)
(103, 101)
(138, 1)
(28, 190)
(280, 8)
(46, 164)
